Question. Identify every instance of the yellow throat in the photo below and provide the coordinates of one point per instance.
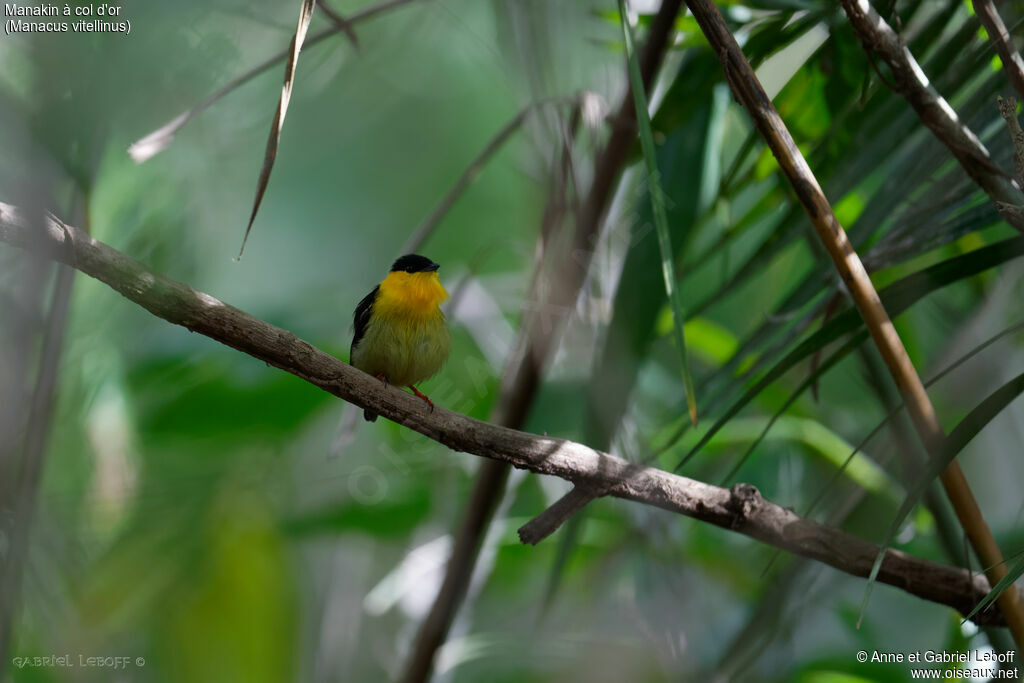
(410, 295)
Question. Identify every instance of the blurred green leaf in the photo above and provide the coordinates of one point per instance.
(203, 396)
(235, 621)
(815, 436)
(395, 516)
(658, 205)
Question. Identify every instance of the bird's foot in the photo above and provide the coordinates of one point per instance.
(383, 379)
(423, 396)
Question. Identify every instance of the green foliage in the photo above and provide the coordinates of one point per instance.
(235, 619)
(658, 207)
(396, 517)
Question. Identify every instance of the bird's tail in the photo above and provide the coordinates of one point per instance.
(369, 416)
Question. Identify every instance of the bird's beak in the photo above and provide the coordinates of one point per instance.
(432, 267)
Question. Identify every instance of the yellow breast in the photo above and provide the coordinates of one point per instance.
(407, 339)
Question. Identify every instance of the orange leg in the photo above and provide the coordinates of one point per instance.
(422, 395)
(382, 378)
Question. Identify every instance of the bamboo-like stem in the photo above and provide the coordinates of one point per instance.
(748, 91)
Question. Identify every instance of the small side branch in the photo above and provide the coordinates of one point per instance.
(547, 522)
(741, 509)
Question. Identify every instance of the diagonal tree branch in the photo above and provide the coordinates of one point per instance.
(740, 509)
(933, 110)
(747, 89)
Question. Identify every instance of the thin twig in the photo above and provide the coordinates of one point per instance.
(1013, 65)
(340, 22)
(933, 110)
(741, 508)
(748, 91)
(430, 223)
(557, 514)
(155, 142)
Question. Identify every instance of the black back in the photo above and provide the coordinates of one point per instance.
(361, 318)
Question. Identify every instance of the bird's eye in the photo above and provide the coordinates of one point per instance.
(410, 269)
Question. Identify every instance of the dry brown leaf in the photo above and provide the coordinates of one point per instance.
(305, 14)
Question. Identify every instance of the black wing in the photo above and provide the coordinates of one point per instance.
(361, 318)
